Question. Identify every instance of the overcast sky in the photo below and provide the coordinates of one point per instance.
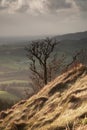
(42, 17)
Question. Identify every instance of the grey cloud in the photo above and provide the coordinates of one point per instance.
(3, 7)
(82, 4)
(6, 4)
(23, 9)
(40, 5)
(24, 5)
(0, 1)
(14, 5)
(54, 5)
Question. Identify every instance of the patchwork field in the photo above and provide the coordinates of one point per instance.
(14, 72)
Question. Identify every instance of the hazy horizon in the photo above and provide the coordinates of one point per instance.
(44, 35)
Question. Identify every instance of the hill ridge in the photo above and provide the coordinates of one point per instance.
(57, 106)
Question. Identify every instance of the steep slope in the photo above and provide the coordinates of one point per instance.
(60, 105)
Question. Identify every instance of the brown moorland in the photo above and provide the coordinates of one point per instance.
(60, 105)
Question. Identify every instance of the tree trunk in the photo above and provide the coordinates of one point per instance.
(45, 73)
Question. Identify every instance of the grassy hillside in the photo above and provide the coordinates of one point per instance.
(60, 105)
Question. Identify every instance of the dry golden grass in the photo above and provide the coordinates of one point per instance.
(60, 105)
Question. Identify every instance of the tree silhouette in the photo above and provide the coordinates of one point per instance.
(41, 63)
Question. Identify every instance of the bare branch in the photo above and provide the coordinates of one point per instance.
(39, 52)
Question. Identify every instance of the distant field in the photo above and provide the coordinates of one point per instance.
(16, 87)
(8, 97)
(14, 70)
(14, 82)
(14, 75)
(7, 100)
(13, 57)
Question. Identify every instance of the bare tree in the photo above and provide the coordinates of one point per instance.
(42, 65)
(55, 66)
(77, 58)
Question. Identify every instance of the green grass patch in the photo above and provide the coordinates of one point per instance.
(7, 96)
(14, 81)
